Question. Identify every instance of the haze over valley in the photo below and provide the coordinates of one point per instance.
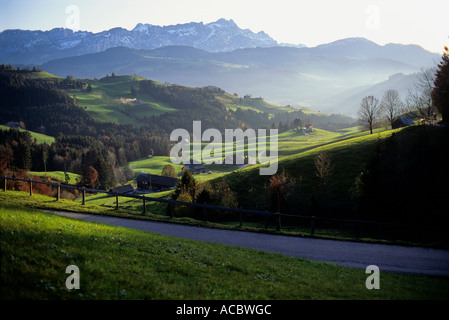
(330, 78)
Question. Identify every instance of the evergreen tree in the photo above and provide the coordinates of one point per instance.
(106, 177)
(23, 155)
(440, 93)
(133, 92)
(186, 184)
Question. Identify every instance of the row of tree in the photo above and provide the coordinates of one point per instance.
(428, 97)
(189, 190)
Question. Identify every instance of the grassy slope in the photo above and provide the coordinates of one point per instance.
(155, 165)
(258, 105)
(348, 157)
(296, 154)
(348, 149)
(41, 75)
(57, 175)
(103, 102)
(119, 263)
(40, 138)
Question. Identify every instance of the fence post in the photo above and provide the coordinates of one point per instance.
(358, 227)
(144, 206)
(241, 218)
(312, 225)
(278, 221)
(58, 196)
(172, 209)
(393, 232)
(31, 187)
(116, 201)
(4, 186)
(84, 197)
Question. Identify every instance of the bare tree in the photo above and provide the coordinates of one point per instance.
(369, 111)
(324, 170)
(420, 95)
(391, 105)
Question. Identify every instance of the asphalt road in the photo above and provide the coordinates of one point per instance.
(392, 258)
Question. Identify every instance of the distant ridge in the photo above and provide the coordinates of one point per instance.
(309, 77)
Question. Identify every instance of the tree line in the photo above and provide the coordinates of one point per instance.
(427, 100)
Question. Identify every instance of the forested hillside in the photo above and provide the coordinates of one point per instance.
(64, 108)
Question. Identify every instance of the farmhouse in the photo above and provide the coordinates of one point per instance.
(195, 168)
(123, 189)
(401, 122)
(155, 183)
(14, 125)
(309, 128)
(233, 160)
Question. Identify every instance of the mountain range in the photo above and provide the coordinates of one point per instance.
(330, 77)
(36, 47)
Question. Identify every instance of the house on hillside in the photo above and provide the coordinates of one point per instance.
(234, 160)
(309, 128)
(153, 182)
(195, 168)
(401, 122)
(123, 189)
(14, 125)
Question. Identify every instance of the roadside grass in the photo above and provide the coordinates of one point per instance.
(101, 204)
(119, 264)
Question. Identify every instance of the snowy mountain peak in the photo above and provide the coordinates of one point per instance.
(140, 27)
(36, 47)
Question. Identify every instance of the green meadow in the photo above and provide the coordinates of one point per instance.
(123, 264)
(57, 176)
(110, 101)
(348, 153)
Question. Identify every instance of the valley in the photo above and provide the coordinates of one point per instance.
(93, 123)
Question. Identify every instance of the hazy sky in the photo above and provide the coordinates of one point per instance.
(312, 22)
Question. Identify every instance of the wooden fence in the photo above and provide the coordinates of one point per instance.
(239, 213)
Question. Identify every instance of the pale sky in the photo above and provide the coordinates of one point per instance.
(312, 22)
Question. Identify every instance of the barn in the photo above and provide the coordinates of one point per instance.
(123, 189)
(153, 182)
(401, 122)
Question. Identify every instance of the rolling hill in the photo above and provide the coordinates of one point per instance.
(282, 75)
(110, 100)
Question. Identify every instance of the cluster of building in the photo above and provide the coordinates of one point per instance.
(154, 183)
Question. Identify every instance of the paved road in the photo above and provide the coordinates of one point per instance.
(392, 258)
